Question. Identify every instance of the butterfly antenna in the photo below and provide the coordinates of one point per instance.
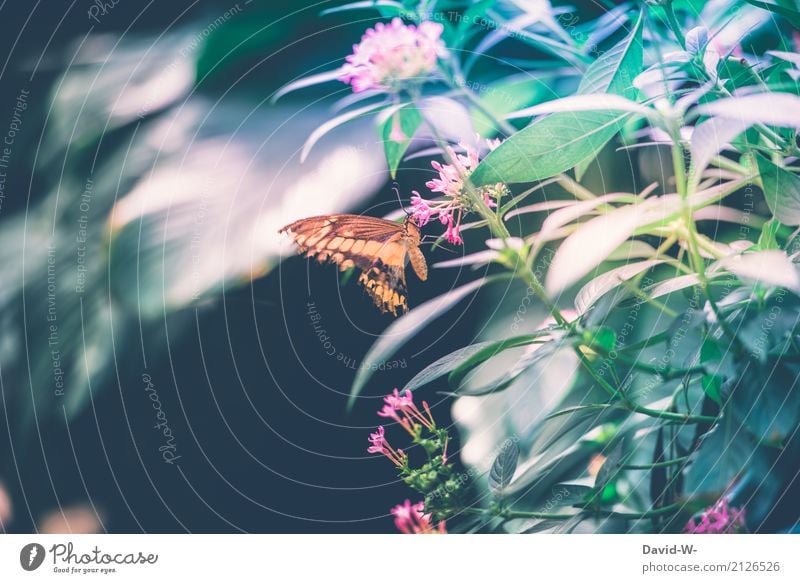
(396, 188)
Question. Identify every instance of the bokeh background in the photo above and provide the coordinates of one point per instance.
(139, 285)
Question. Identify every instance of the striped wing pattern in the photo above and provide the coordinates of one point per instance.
(376, 247)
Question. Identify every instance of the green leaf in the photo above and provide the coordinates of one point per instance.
(558, 142)
(405, 121)
(569, 494)
(781, 190)
(608, 471)
(444, 365)
(504, 466)
(504, 97)
(490, 350)
(712, 386)
(405, 328)
(768, 239)
(786, 8)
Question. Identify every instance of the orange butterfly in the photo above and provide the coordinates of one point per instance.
(375, 246)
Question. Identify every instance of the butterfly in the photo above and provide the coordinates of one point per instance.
(375, 246)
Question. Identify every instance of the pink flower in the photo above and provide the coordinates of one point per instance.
(456, 201)
(400, 407)
(392, 54)
(717, 519)
(380, 445)
(410, 519)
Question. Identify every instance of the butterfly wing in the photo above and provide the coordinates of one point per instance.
(375, 246)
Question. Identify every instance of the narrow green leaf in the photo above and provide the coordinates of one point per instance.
(397, 132)
(781, 190)
(559, 141)
(445, 365)
(405, 328)
(490, 350)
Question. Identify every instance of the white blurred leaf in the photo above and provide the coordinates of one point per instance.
(778, 109)
(602, 284)
(770, 268)
(596, 102)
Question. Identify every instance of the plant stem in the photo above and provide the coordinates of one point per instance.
(675, 462)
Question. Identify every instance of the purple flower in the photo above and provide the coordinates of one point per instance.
(456, 201)
(411, 519)
(392, 54)
(717, 519)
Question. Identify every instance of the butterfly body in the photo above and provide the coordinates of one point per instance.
(377, 247)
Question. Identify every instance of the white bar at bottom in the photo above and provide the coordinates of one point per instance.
(389, 558)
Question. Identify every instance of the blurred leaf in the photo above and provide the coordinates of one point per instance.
(504, 466)
(387, 8)
(503, 97)
(595, 240)
(786, 8)
(530, 357)
(770, 268)
(406, 327)
(591, 102)
(331, 124)
(781, 191)
(710, 138)
(558, 142)
(608, 471)
(570, 494)
(766, 400)
(604, 283)
(445, 365)
(722, 455)
(490, 350)
(769, 232)
(397, 132)
(658, 475)
(773, 108)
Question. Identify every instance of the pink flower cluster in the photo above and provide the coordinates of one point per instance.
(401, 408)
(391, 54)
(380, 445)
(717, 519)
(456, 202)
(410, 519)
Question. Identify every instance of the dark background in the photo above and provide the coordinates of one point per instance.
(256, 406)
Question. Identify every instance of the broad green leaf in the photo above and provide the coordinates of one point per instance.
(503, 97)
(405, 328)
(559, 141)
(722, 454)
(781, 190)
(397, 132)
